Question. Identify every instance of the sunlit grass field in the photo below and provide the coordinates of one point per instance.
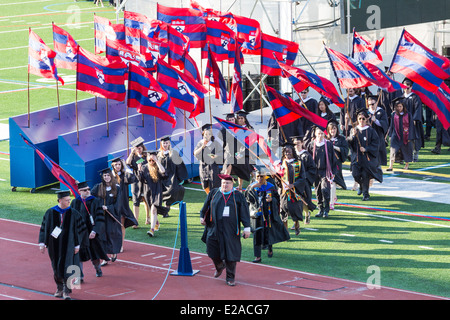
(412, 252)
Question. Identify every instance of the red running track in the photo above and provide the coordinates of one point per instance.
(141, 270)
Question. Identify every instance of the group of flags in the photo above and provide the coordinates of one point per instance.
(136, 51)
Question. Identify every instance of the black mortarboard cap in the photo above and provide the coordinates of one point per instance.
(82, 185)
(242, 113)
(288, 144)
(155, 152)
(372, 96)
(229, 115)
(397, 100)
(363, 112)
(117, 159)
(63, 193)
(407, 80)
(165, 138)
(105, 170)
(206, 127)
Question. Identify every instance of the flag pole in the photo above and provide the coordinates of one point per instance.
(128, 101)
(76, 100)
(156, 136)
(107, 118)
(57, 97)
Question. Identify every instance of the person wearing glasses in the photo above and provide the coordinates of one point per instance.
(311, 104)
(364, 143)
(353, 104)
(378, 119)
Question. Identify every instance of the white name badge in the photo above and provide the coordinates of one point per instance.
(92, 219)
(56, 232)
(226, 211)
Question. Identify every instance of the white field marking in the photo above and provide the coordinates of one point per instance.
(148, 254)
(394, 218)
(347, 235)
(10, 297)
(246, 262)
(21, 3)
(428, 248)
(68, 25)
(161, 256)
(311, 229)
(4, 159)
(386, 241)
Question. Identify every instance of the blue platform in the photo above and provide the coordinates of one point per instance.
(97, 142)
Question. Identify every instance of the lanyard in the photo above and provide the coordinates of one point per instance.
(226, 200)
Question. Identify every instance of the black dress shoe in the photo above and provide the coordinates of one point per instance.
(359, 191)
(258, 260)
(219, 271)
(366, 197)
(231, 283)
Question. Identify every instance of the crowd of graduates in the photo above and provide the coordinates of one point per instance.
(92, 226)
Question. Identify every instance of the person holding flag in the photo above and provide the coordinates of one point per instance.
(413, 104)
(364, 144)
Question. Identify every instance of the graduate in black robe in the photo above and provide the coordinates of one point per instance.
(310, 172)
(323, 110)
(209, 154)
(413, 104)
(341, 148)
(309, 103)
(276, 134)
(240, 163)
(364, 144)
(91, 210)
(176, 173)
(136, 159)
(222, 214)
(152, 175)
(322, 152)
(124, 177)
(353, 104)
(108, 193)
(442, 137)
(265, 218)
(401, 131)
(291, 186)
(379, 121)
(61, 233)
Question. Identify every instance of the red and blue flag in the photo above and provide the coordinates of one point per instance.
(301, 79)
(365, 50)
(184, 90)
(128, 55)
(222, 41)
(236, 94)
(135, 23)
(66, 49)
(187, 21)
(101, 76)
(214, 78)
(147, 96)
(438, 101)
(247, 137)
(104, 29)
(275, 49)
(419, 63)
(278, 99)
(41, 58)
(58, 172)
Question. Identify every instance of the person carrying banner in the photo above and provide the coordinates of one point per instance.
(90, 209)
(222, 214)
(413, 104)
(263, 200)
(322, 152)
(291, 186)
(364, 143)
(61, 233)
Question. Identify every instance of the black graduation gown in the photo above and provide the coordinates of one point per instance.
(368, 160)
(399, 149)
(293, 129)
(236, 155)
(137, 189)
(208, 167)
(354, 105)
(341, 157)
(381, 128)
(312, 105)
(386, 98)
(290, 202)
(310, 174)
(223, 234)
(62, 249)
(176, 173)
(91, 208)
(413, 104)
(113, 230)
(442, 135)
(273, 230)
(153, 191)
(123, 201)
